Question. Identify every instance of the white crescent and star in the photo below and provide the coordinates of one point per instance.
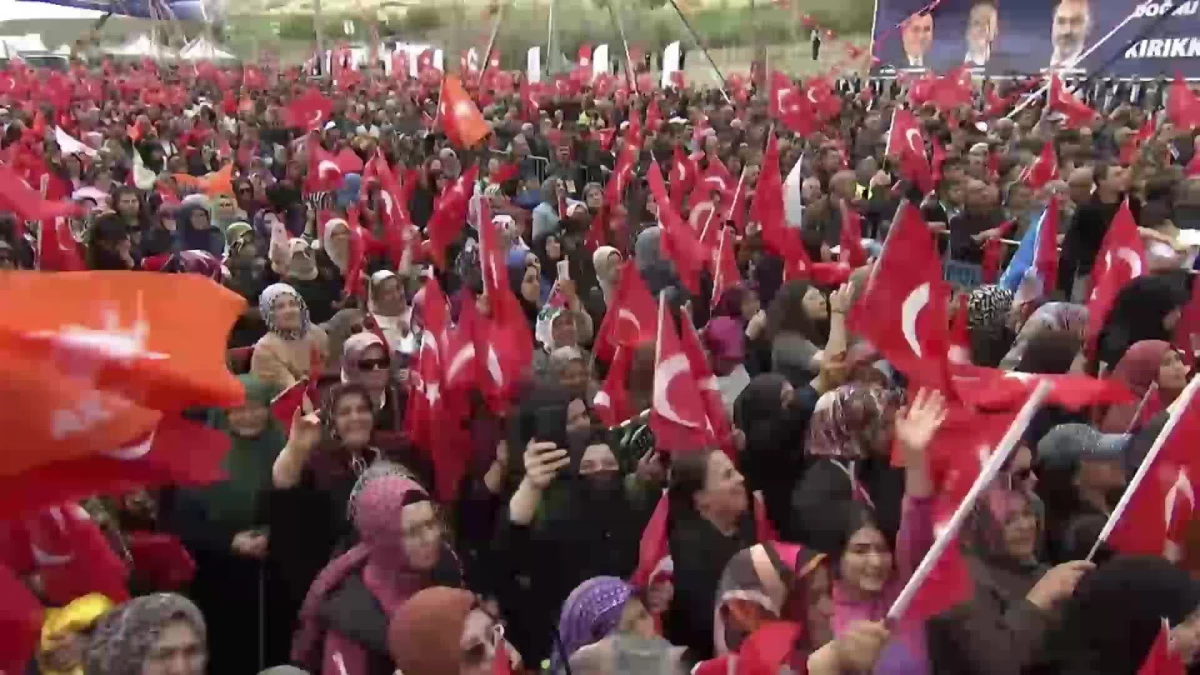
(1132, 259)
(910, 310)
(664, 374)
(133, 451)
(915, 141)
(626, 315)
(325, 166)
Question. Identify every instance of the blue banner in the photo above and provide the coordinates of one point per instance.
(1143, 38)
(207, 11)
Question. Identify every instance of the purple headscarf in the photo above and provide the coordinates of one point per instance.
(590, 613)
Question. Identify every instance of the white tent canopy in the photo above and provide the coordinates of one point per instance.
(142, 46)
(202, 49)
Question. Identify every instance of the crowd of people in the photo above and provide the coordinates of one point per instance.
(537, 514)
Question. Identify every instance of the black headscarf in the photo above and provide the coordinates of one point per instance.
(1137, 314)
(1111, 620)
(773, 459)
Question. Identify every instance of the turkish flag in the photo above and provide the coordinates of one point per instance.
(952, 90)
(308, 111)
(995, 389)
(348, 161)
(324, 174)
(287, 402)
(27, 203)
(450, 214)
(850, 249)
(611, 402)
(460, 119)
(683, 174)
(767, 210)
(174, 452)
(632, 316)
(57, 249)
(720, 431)
(21, 617)
(398, 230)
(1043, 170)
(1161, 660)
(960, 339)
(725, 270)
(504, 345)
(72, 557)
(677, 413)
(1188, 326)
(1156, 518)
(906, 291)
(1183, 106)
(907, 143)
(993, 254)
(679, 241)
(1122, 258)
(161, 560)
(1077, 112)
(425, 400)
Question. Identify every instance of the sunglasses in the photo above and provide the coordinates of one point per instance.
(375, 364)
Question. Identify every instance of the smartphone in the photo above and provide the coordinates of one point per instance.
(564, 269)
(550, 425)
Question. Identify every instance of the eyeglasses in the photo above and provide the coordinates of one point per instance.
(375, 364)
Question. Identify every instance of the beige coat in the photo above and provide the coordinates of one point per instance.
(283, 362)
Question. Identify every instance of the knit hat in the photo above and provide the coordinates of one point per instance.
(1066, 445)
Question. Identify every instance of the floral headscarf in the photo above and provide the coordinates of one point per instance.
(1052, 316)
(124, 637)
(847, 421)
(352, 351)
(590, 613)
(266, 306)
(764, 575)
(987, 308)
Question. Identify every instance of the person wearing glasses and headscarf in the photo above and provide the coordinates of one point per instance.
(401, 550)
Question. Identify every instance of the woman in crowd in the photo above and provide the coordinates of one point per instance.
(313, 477)
(1155, 375)
(448, 631)
(293, 347)
(344, 618)
(224, 527)
(563, 551)
(151, 635)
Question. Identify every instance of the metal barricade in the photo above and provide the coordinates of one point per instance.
(541, 166)
(964, 275)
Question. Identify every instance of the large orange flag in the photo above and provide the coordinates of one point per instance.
(155, 339)
(48, 417)
(460, 118)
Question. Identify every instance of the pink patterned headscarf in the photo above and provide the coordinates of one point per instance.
(379, 557)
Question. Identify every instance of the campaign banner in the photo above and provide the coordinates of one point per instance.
(207, 11)
(1116, 38)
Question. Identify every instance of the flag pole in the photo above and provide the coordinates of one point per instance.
(1088, 52)
(615, 15)
(989, 471)
(704, 50)
(491, 45)
(549, 65)
(1180, 406)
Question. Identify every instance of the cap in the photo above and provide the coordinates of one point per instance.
(1066, 445)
